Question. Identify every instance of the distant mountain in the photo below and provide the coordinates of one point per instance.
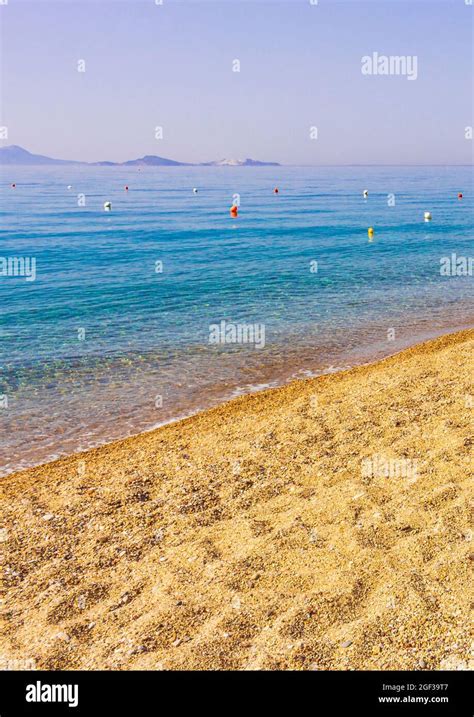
(240, 163)
(151, 160)
(17, 155)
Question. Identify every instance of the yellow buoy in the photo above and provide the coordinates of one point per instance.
(370, 232)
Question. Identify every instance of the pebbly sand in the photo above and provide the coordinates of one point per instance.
(323, 525)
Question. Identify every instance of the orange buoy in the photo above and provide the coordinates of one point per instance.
(276, 190)
(234, 211)
(460, 195)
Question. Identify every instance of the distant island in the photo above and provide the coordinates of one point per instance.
(14, 154)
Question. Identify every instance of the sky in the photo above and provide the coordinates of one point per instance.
(171, 66)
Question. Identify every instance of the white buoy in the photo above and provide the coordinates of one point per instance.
(195, 191)
(427, 216)
(107, 206)
(366, 193)
(69, 186)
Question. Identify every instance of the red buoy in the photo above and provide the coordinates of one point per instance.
(460, 195)
(13, 186)
(234, 211)
(275, 191)
(126, 189)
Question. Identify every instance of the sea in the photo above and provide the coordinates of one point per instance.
(114, 322)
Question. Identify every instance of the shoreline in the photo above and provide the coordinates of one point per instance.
(279, 382)
(319, 525)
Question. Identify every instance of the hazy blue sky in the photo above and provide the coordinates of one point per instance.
(171, 65)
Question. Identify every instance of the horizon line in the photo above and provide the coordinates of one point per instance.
(225, 166)
(211, 163)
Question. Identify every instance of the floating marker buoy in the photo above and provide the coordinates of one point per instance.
(427, 216)
(126, 188)
(370, 232)
(234, 211)
(195, 191)
(460, 195)
(13, 186)
(365, 193)
(107, 206)
(69, 186)
(276, 190)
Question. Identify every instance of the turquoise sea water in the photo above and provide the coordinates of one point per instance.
(100, 345)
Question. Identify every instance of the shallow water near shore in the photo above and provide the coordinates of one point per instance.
(101, 345)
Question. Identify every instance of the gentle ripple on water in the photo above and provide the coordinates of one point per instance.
(146, 358)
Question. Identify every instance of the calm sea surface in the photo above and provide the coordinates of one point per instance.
(102, 345)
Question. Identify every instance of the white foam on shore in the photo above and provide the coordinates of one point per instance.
(300, 374)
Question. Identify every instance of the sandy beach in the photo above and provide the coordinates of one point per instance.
(321, 526)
